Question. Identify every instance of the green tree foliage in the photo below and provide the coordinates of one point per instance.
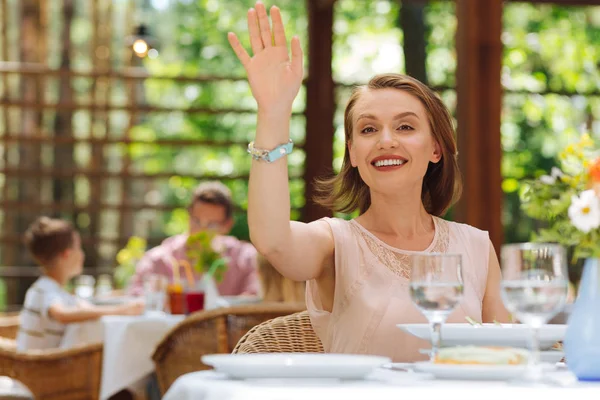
(547, 49)
(193, 39)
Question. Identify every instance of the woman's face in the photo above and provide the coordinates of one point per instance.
(391, 143)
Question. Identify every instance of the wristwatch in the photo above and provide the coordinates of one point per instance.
(270, 155)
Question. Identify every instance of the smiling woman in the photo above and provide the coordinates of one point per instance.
(394, 111)
(399, 171)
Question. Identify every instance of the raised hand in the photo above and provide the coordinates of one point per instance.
(274, 78)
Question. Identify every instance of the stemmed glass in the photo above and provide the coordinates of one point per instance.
(155, 289)
(84, 286)
(534, 289)
(436, 287)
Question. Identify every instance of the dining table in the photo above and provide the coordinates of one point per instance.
(381, 384)
(129, 342)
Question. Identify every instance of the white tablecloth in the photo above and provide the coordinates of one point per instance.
(129, 342)
(382, 385)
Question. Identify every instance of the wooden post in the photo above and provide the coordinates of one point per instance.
(28, 190)
(320, 102)
(479, 107)
(8, 219)
(64, 190)
(412, 22)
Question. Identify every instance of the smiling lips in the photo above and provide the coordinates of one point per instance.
(387, 163)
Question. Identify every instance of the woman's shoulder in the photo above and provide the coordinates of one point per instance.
(335, 223)
(342, 230)
(468, 233)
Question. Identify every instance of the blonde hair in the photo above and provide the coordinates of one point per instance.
(347, 192)
(277, 288)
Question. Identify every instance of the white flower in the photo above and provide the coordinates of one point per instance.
(584, 211)
(555, 173)
(547, 179)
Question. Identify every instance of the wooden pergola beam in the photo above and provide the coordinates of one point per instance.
(560, 2)
(479, 105)
(320, 102)
(68, 174)
(554, 2)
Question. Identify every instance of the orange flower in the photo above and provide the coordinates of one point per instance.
(594, 171)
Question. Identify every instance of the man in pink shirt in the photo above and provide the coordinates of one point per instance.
(211, 209)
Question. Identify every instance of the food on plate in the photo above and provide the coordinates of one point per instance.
(558, 346)
(482, 355)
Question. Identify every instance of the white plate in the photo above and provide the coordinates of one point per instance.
(475, 372)
(510, 335)
(109, 301)
(294, 365)
(236, 300)
(551, 356)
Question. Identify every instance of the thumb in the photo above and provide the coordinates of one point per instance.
(297, 59)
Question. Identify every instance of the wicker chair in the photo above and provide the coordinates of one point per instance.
(209, 332)
(9, 325)
(72, 374)
(288, 334)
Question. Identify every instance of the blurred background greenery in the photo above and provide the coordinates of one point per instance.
(550, 75)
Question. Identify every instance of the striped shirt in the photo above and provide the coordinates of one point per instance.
(37, 329)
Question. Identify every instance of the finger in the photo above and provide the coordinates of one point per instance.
(263, 22)
(278, 29)
(240, 52)
(255, 40)
(297, 57)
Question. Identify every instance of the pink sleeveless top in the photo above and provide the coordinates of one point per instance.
(372, 290)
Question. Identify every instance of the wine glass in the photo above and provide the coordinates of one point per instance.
(84, 286)
(534, 286)
(436, 287)
(155, 289)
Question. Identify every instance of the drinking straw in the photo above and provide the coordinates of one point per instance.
(187, 268)
(176, 278)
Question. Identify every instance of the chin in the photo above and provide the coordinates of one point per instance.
(390, 187)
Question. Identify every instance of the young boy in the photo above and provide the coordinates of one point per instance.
(56, 247)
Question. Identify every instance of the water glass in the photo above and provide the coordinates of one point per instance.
(155, 292)
(104, 286)
(534, 286)
(436, 288)
(84, 286)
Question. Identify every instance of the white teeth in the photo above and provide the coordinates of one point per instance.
(385, 163)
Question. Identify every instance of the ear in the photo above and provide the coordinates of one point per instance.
(227, 226)
(436, 156)
(351, 154)
(65, 253)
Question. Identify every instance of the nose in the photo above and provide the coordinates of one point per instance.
(387, 140)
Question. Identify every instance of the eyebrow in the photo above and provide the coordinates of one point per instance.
(397, 116)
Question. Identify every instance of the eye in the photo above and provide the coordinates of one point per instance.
(368, 129)
(405, 127)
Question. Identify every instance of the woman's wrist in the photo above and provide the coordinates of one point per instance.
(273, 128)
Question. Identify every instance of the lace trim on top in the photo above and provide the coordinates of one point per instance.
(396, 260)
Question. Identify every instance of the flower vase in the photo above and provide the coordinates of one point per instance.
(582, 340)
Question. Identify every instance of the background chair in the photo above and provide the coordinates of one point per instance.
(72, 374)
(9, 325)
(288, 334)
(210, 332)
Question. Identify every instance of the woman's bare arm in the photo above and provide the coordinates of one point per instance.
(493, 306)
(298, 250)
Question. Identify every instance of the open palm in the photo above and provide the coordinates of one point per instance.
(274, 78)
